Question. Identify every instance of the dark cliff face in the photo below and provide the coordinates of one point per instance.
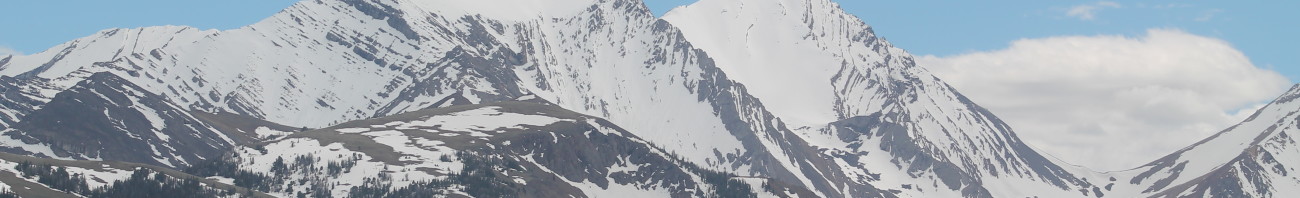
(18, 98)
(105, 117)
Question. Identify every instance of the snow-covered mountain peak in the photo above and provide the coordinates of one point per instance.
(789, 52)
(514, 10)
(1252, 159)
(501, 10)
(828, 75)
(65, 58)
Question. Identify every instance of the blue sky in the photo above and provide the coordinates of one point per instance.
(1266, 31)
(33, 26)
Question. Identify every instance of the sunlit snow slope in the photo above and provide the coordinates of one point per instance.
(1256, 158)
(865, 103)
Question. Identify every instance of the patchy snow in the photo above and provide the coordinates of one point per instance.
(352, 130)
(756, 186)
(266, 132)
(43, 149)
(150, 114)
(160, 158)
(108, 175)
(486, 119)
(613, 190)
(366, 166)
(224, 180)
(94, 178)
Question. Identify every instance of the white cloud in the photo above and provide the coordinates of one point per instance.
(6, 51)
(1089, 11)
(1113, 102)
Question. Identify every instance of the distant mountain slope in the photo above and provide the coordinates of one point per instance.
(866, 104)
(529, 149)
(105, 117)
(1256, 158)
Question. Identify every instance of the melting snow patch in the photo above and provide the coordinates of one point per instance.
(224, 180)
(483, 120)
(265, 132)
(425, 142)
(152, 115)
(353, 130)
(391, 138)
(6, 141)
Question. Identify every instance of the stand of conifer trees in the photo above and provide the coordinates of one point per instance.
(141, 183)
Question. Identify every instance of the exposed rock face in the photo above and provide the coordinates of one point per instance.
(105, 117)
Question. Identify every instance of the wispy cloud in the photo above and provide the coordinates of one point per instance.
(1171, 6)
(6, 51)
(1208, 15)
(1088, 12)
(1088, 99)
